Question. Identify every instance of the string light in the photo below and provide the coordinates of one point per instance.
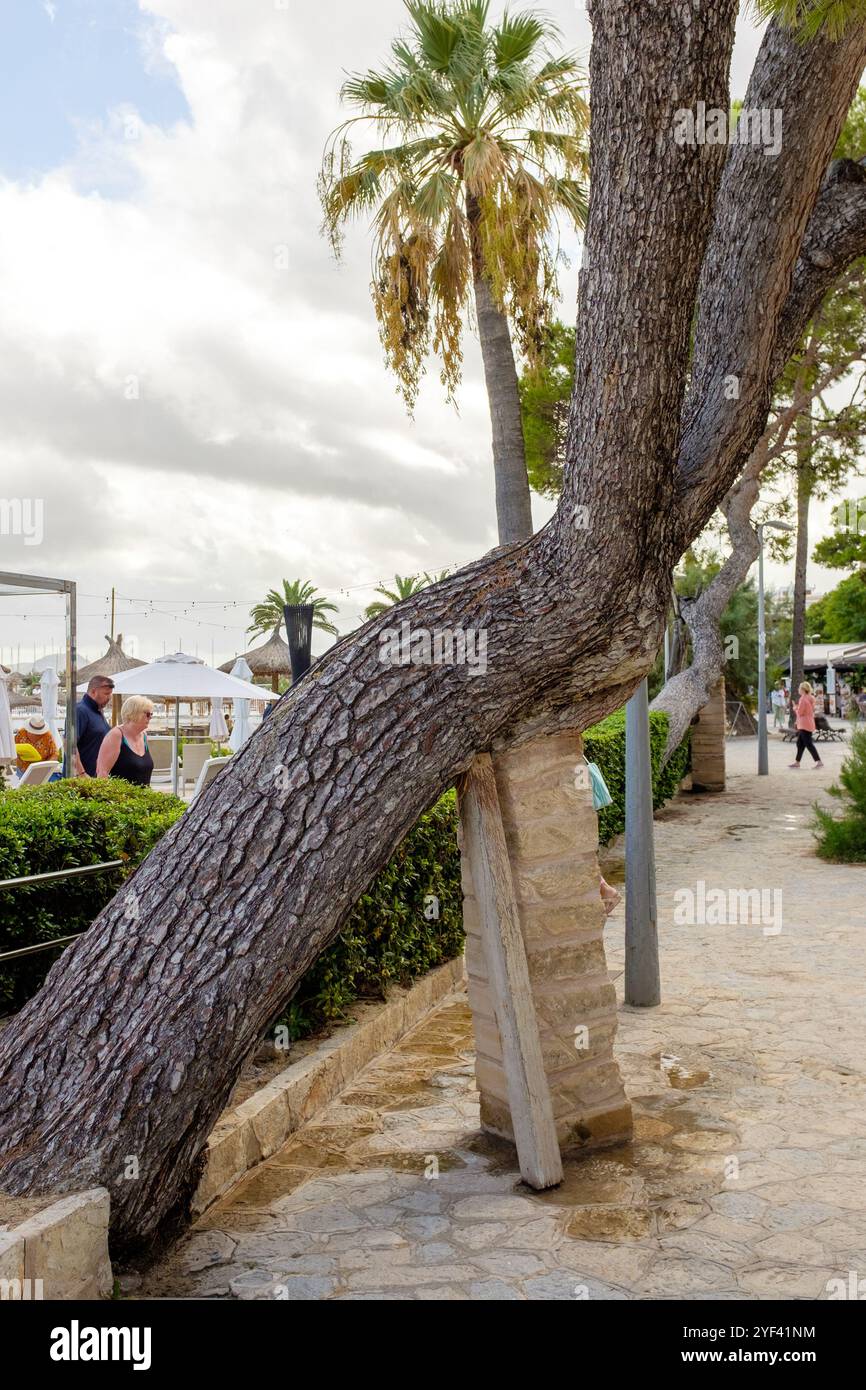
(188, 603)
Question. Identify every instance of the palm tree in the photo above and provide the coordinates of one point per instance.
(488, 124)
(403, 588)
(269, 615)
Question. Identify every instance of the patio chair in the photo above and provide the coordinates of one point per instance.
(161, 747)
(37, 773)
(209, 771)
(195, 755)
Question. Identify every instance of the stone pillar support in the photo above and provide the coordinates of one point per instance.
(551, 833)
(708, 743)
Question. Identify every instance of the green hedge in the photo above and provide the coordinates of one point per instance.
(387, 938)
(60, 826)
(604, 744)
(392, 934)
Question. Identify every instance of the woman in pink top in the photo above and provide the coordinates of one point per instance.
(805, 711)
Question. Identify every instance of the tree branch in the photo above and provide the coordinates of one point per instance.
(762, 212)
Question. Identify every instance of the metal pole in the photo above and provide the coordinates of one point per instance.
(642, 984)
(174, 769)
(71, 669)
(763, 760)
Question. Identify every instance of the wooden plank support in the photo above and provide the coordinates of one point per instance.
(528, 1090)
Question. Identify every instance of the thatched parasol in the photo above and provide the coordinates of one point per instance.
(112, 663)
(24, 701)
(271, 659)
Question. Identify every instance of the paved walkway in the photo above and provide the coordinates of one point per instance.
(747, 1175)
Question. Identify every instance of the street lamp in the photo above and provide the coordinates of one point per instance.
(763, 762)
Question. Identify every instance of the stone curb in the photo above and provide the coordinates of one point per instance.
(255, 1129)
(60, 1253)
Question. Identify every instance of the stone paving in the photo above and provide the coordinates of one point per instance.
(747, 1175)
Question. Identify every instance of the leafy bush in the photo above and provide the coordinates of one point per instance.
(387, 938)
(60, 826)
(604, 744)
(393, 933)
(843, 840)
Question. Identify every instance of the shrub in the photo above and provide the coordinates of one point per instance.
(604, 744)
(60, 826)
(392, 934)
(387, 938)
(843, 840)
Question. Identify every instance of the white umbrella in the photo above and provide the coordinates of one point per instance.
(179, 678)
(182, 681)
(7, 738)
(241, 727)
(219, 729)
(48, 683)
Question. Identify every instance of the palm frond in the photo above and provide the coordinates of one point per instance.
(813, 17)
(436, 196)
(516, 38)
(438, 34)
(572, 196)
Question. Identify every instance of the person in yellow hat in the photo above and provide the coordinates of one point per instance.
(37, 734)
(26, 754)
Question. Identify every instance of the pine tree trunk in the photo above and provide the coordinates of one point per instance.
(804, 496)
(117, 1070)
(513, 503)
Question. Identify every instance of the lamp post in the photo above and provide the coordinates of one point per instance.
(763, 760)
(299, 635)
(642, 987)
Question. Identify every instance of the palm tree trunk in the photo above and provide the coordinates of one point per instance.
(513, 505)
(804, 495)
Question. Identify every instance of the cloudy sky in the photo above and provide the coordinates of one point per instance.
(191, 384)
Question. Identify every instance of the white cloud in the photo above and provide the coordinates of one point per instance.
(200, 421)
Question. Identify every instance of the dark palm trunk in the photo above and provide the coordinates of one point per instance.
(513, 504)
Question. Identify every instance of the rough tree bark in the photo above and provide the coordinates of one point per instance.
(513, 502)
(131, 1048)
(688, 690)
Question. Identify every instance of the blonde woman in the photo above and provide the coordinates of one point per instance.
(805, 712)
(124, 751)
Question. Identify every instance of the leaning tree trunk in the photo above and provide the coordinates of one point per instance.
(804, 497)
(689, 691)
(116, 1071)
(513, 504)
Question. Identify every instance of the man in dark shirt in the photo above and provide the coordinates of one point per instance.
(90, 725)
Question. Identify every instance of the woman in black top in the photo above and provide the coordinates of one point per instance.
(124, 752)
